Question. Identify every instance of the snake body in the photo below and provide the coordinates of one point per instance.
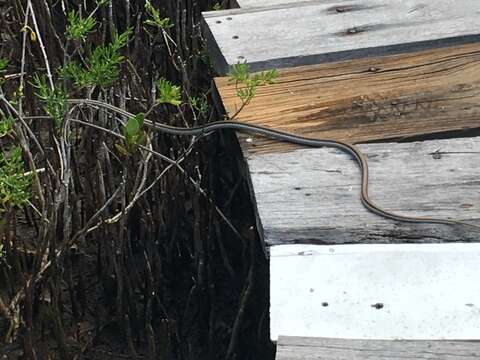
(290, 138)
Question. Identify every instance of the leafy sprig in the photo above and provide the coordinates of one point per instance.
(78, 28)
(6, 125)
(14, 183)
(3, 67)
(246, 84)
(3, 64)
(168, 93)
(200, 104)
(103, 64)
(155, 18)
(55, 99)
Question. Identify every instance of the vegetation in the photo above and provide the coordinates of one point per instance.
(14, 184)
(169, 93)
(246, 84)
(117, 241)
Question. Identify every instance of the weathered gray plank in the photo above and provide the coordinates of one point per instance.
(293, 348)
(317, 32)
(312, 195)
(269, 3)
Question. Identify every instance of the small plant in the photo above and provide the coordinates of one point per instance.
(55, 99)
(217, 6)
(155, 18)
(246, 84)
(3, 67)
(102, 65)
(78, 28)
(200, 104)
(3, 64)
(14, 184)
(73, 71)
(6, 126)
(168, 93)
(134, 135)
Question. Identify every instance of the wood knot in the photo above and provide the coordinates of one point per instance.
(436, 155)
(361, 29)
(354, 30)
(340, 9)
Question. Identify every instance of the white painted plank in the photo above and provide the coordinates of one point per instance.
(313, 195)
(428, 291)
(325, 31)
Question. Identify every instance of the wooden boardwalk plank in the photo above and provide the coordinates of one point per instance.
(334, 30)
(270, 3)
(296, 348)
(376, 291)
(312, 195)
(369, 99)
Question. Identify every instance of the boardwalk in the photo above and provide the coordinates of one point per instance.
(406, 75)
(294, 348)
(302, 33)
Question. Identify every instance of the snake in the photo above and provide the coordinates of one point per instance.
(287, 137)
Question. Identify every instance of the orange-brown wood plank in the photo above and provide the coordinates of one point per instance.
(369, 99)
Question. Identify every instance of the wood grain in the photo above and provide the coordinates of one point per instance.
(324, 31)
(369, 99)
(295, 348)
(313, 195)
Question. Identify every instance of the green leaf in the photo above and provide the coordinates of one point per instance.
(140, 117)
(134, 134)
(121, 149)
(142, 138)
(132, 127)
